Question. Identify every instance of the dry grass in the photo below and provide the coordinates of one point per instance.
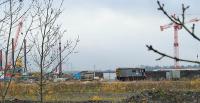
(102, 90)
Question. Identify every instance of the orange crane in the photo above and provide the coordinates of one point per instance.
(176, 43)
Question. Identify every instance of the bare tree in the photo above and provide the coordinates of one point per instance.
(12, 12)
(46, 39)
(179, 21)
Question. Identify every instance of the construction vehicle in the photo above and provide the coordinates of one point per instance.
(12, 72)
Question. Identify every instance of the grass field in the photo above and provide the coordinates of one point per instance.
(111, 91)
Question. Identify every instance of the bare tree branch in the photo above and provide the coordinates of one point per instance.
(150, 48)
(177, 20)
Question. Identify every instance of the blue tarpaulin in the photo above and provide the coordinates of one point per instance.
(77, 76)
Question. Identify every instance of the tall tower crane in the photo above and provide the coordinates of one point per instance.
(19, 29)
(14, 44)
(176, 43)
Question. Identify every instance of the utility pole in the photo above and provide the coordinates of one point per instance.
(94, 71)
(1, 60)
(25, 68)
(71, 66)
(13, 54)
(60, 57)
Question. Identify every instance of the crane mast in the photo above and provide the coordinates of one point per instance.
(176, 45)
(19, 29)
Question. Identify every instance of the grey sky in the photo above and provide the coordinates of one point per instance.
(113, 33)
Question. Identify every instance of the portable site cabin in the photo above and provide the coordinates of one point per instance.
(109, 76)
(88, 75)
(83, 75)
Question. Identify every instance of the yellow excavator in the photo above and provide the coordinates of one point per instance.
(19, 63)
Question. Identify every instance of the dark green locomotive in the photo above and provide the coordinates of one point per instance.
(129, 74)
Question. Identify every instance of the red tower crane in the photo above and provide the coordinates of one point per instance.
(19, 29)
(14, 44)
(176, 43)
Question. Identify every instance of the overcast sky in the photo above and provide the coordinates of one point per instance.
(113, 33)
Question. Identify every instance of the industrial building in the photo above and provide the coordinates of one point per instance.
(160, 74)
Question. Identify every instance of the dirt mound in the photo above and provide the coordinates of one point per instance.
(160, 96)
